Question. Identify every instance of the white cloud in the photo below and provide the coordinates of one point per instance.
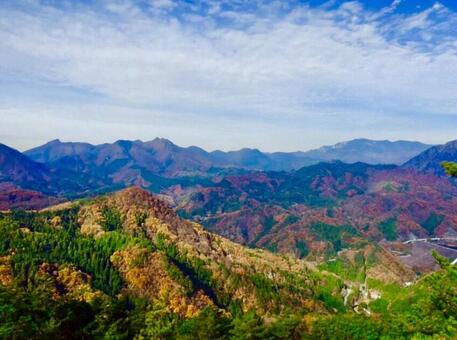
(234, 65)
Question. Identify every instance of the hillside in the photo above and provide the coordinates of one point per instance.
(27, 176)
(125, 265)
(288, 212)
(17, 168)
(431, 159)
(13, 197)
(297, 212)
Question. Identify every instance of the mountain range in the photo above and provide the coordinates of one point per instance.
(162, 157)
(236, 195)
(227, 246)
(77, 169)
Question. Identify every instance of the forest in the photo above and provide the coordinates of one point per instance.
(58, 283)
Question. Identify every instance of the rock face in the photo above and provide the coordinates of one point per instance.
(430, 160)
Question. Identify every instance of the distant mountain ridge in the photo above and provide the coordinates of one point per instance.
(79, 169)
(16, 167)
(162, 157)
(430, 160)
(369, 151)
(24, 174)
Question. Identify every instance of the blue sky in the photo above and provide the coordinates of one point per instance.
(276, 75)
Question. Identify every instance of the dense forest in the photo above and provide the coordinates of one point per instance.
(59, 280)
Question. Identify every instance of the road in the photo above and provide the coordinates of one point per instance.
(431, 239)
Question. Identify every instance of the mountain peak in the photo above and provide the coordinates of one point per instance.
(136, 197)
(162, 143)
(162, 140)
(134, 194)
(54, 141)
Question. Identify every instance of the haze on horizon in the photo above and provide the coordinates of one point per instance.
(277, 76)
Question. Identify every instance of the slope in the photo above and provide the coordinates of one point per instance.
(125, 266)
(431, 159)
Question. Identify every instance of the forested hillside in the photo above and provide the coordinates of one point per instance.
(125, 266)
(324, 208)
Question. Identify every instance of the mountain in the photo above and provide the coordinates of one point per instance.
(134, 162)
(289, 212)
(123, 161)
(159, 157)
(430, 160)
(323, 208)
(40, 180)
(126, 266)
(55, 150)
(15, 167)
(368, 151)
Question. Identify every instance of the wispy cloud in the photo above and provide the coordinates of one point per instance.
(217, 62)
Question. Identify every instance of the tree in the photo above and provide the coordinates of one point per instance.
(450, 168)
(248, 326)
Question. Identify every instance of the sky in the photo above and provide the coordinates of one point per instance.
(274, 75)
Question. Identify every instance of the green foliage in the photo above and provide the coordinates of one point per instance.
(35, 315)
(442, 261)
(265, 289)
(248, 326)
(209, 324)
(345, 268)
(111, 219)
(450, 168)
(62, 246)
(30, 310)
(389, 229)
(159, 323)
(331, 301)
(432, 222)
(336, 235)
(291, 219)
(346, 326)
(302, 248)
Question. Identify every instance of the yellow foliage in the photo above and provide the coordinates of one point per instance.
(6, 272)
(56, 222)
